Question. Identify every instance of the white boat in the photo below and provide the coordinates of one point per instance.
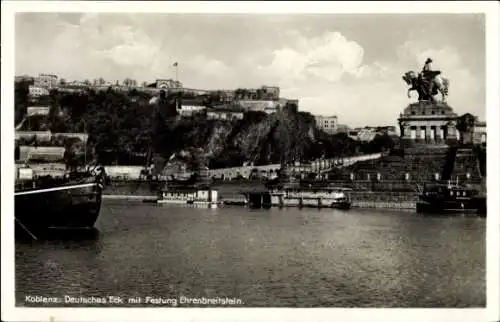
(188, 195)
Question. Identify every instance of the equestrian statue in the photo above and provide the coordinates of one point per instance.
(428, 83)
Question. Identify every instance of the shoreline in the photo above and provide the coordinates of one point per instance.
(362, 204)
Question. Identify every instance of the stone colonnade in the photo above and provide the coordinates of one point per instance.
(430, 131)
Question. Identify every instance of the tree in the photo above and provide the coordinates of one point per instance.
(21, 100)
(129, 82)
(62, 82)
(74, 154)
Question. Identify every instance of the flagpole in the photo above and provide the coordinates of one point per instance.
(176, 65)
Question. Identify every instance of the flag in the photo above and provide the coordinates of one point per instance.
(175, 64)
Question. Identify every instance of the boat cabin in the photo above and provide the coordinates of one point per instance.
(447, 191)
(189, 194)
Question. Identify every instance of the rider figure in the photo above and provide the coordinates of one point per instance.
(427, 66)
(428, 74)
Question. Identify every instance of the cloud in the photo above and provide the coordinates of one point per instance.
(325, 67)
(327, 57)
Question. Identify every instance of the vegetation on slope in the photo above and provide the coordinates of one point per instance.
(121, 128)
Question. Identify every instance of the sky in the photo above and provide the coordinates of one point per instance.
(349, 65)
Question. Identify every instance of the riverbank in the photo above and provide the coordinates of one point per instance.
(231, 193)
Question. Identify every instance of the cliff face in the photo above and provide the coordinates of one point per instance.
(260, 139)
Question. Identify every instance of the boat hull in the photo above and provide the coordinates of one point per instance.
(344, 205)
(476, 206)
(75, 206)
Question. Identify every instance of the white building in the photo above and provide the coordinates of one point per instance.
(38, 110)
(224, 114)
(328, 124)
(188, 110)
(168, 83)
(46, 81)
(37, 91)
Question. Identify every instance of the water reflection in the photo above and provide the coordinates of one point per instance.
(286, 257)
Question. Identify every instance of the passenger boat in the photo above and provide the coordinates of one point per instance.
(341, 199)
(188, 195)
(73, 201)
(447, 198)
(329, 197)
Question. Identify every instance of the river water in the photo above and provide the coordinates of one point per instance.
(260, 258)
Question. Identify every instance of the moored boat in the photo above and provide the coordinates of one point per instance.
(73, 201)
(449, 198)
(188, 195)
(330, 197)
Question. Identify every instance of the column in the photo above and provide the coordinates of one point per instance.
(442, 132)
(422, 133)
(433, 134)
(428, 134)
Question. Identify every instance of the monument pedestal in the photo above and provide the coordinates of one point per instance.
(428, 122)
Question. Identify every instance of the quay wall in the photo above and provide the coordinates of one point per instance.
(392, 194)
(233, 193)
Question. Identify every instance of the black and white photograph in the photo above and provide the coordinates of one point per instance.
(237, 157)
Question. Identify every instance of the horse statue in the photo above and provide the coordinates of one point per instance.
(427, 86)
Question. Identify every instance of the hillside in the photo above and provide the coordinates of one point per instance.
(121, 125)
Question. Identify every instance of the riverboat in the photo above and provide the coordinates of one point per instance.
(449, 198)
(188, 195)
(329, 197)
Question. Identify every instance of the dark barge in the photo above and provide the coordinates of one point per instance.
(451, 198)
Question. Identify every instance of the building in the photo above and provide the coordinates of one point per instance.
(327, 124)
(343, 128)
(42, 153)
(367, 134)
(472, 131)
(271, 92)
(225, 114)
(47, 136)
(24, 78)
(262, 93)
(37, 91)
(189, 107)
(37, 110)
(168, 83)
(81, 136)
(267, 106)
(387, 130)
(479, 134)
(428, 122)
(226, 95)
(46, 81)
(40, 136)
